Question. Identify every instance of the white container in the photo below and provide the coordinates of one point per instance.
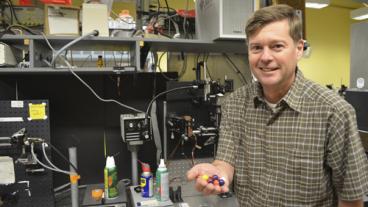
(162, 182)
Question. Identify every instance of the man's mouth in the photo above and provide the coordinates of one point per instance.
(265, 69)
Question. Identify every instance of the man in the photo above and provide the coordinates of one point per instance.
(284, 140)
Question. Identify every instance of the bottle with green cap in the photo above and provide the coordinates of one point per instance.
(162, 182)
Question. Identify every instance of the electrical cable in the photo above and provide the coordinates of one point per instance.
(205, 59)
(158, 65)
(180, 74)
(236, 69)
(93, 33)
(170, 8)
(167, 6)
(185, 20)
(45, 166)
(153, 101)
(57, 194)
(85, 60)
(23, 27)
(158, 7)
(163, 93)
(94, 93)
(69, 67)
(13, 11)
(62, 156)
(61, 187)
(193, 149)
(47, 158)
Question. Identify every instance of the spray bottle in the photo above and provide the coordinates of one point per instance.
(111, 178)
(146, 181)
(162, 182)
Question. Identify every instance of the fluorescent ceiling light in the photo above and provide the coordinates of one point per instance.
(359, 14)
(316, 4)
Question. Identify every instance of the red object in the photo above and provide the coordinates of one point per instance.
(64, 2)
(145, 167)
(25, 2)
(185, 13)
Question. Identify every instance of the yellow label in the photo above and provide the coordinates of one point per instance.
(141, 43)
(143, 182)
(26, 41)
(37, 111)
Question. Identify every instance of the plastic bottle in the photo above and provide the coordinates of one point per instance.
(146, 181)
(125, 16)
(111, 178)
(162, 182)
(100, 62)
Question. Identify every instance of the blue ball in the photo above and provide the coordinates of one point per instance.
(221, 182)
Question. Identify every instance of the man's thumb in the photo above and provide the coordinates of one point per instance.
(192, 173)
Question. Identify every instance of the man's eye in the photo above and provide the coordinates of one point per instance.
(256, 48)
(278, 46)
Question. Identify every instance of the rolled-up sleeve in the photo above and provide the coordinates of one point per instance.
(346, 156)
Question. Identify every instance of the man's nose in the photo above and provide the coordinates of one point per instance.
(266, 55)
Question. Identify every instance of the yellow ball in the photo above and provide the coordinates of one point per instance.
(205, 177)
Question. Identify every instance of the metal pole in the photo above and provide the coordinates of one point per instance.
(139, 9)
(74, 186)
(134, 150)
(165, 129)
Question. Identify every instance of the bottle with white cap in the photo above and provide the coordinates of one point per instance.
(111, 179)
(162, 182)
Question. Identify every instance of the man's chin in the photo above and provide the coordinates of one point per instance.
(267, 81)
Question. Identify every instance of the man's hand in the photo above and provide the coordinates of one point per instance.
(222, 169)
(357, 203)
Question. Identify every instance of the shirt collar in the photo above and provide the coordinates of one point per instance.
(292, 98)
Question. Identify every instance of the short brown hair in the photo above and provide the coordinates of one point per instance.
(270, 14)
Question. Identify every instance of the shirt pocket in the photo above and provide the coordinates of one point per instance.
(305, 176)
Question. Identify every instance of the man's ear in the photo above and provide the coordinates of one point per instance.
(300, 48)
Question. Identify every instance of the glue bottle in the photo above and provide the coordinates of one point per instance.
(162, 182)
(111, 178)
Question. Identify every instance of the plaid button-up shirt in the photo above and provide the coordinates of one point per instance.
(305, 153)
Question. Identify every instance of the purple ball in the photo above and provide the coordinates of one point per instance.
(221, 182)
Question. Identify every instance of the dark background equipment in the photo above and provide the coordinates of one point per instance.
(359, 100)
(38, 191)
(78, 119)
(192, 123)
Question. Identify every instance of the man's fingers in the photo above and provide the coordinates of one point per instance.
(192, 174)
(199, 186)
(209, 189)
(225, 189)
(208, 179)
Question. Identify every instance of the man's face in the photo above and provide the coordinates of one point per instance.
(273, 55)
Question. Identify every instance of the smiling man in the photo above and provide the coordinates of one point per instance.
(285, 140)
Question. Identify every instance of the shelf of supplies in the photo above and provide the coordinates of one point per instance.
(46, 70)
(79, 71)
(197, 46)
(156, 44)
(39, 50)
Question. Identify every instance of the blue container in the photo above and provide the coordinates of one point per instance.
(147, 184)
